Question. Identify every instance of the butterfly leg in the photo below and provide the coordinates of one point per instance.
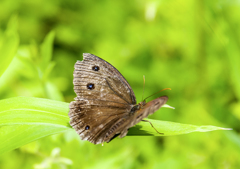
(123, 133)
(153, 126)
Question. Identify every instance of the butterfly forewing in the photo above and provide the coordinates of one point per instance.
(106, 79)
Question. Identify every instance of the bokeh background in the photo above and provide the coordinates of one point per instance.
(192, 47)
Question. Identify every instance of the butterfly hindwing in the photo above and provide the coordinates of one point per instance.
(91, 122)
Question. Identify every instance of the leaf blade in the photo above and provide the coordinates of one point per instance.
(14, 136)
(168, 128)
(25, 119)
(9, 45)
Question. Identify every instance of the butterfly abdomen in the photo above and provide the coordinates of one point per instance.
(114, 128)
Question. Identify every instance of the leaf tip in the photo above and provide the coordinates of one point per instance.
(167, 106)
(211, 128)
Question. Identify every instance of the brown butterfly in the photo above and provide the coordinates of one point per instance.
(105, 105)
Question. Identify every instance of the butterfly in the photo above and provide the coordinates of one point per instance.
(105, 106)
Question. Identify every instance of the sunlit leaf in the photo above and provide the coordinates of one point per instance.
(14, 136)
(46, 50)
(8, 44)
(169, 128)
(25, 119)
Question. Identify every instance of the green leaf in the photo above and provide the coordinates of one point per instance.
(168, 128)
(46, 50)
(8, 45)
(14, 136)
(25, 119)
(30, 110)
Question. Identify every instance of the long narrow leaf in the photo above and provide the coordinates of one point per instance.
(25, 119)
(9, 44)
(14, 136)
(168, 128)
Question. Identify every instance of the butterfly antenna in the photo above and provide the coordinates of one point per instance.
(153, 126)
(143, 86)
(158, 92)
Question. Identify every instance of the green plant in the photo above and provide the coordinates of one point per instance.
(25, 119)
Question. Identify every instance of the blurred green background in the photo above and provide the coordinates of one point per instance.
(192, 47)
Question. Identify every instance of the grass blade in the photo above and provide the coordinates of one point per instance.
(25, 119)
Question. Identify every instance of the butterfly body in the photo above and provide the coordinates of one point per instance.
(105, 105)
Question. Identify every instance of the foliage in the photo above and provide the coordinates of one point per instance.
(189, 46)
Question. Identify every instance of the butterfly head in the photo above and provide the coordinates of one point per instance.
(138, 106)
(141, 104)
